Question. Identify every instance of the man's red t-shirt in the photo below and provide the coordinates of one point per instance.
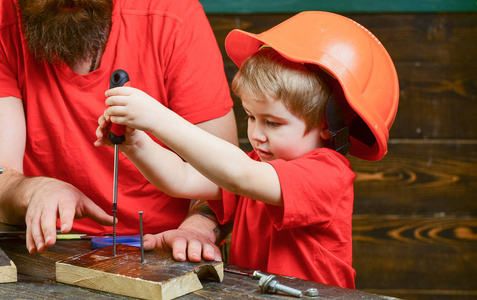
(170, 52)
(310, 236)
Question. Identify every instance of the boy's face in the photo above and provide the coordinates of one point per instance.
(275, 133)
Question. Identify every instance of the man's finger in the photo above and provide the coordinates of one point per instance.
(37, 234)
(210, 252)
(48, 224)
(194, 250)
(30, 243)
(97, 214)
(67, 214)
(150, 242)
(179, 249)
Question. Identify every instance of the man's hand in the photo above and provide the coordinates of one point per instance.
(196, 244)
(196, 235)
(52, 199)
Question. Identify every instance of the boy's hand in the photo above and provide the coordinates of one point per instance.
(132, 107)
(103, 130)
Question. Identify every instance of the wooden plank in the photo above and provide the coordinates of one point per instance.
(160, 277)
(437, 101)
(420, 256)
(418, 177)
(443, 38)
(8, 270)
(251, 6)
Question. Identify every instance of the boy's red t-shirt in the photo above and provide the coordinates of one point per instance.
(169, 51)
(310, 236)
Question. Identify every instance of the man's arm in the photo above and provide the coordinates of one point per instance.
(13, 191)
(35, 201)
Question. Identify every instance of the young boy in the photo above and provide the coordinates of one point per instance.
(291, 198)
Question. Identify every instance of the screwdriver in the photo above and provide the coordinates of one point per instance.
(117, 136)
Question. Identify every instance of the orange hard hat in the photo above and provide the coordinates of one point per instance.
(348, 52)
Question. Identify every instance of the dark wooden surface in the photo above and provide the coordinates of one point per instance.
(36, 279)
(415, 213)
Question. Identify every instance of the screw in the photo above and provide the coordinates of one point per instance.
(312, 292)
(270, 285)
(257, 275)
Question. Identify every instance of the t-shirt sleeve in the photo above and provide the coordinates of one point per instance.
(312, 189)
(225, 209)
(8, 77)
(196, 82)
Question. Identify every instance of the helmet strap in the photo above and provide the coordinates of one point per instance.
(339, 130)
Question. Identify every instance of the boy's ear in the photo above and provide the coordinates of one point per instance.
(325, 130)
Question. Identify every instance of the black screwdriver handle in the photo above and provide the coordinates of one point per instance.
(118, 132)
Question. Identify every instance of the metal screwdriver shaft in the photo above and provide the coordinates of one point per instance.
(140, 236)
(115, 195)
(117, 136)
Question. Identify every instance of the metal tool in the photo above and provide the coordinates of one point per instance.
(253, 274)
(267, 283)
(117, 136)
(270, 285)
(140, 235)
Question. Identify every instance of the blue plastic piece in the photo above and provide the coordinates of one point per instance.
(101, 242)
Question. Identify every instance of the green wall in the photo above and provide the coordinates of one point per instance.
(285, 6)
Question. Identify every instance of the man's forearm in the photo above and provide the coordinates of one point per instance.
(13, 197)
(202, 217)
(200, 214)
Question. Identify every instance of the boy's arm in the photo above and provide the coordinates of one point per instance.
(167, 171)
(220, 161)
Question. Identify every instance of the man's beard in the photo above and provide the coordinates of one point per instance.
(66, 30)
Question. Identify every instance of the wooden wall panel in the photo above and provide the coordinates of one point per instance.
(415, 213)
(418, 178)
(416, 257)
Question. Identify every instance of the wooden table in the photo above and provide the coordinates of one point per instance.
(36, 279)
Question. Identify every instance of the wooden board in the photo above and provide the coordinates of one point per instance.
(8, 270)
(160, 277)
(416, 257)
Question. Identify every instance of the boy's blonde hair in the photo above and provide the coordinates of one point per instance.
(268, 75)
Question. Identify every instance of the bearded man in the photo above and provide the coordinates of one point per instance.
(56, 57)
